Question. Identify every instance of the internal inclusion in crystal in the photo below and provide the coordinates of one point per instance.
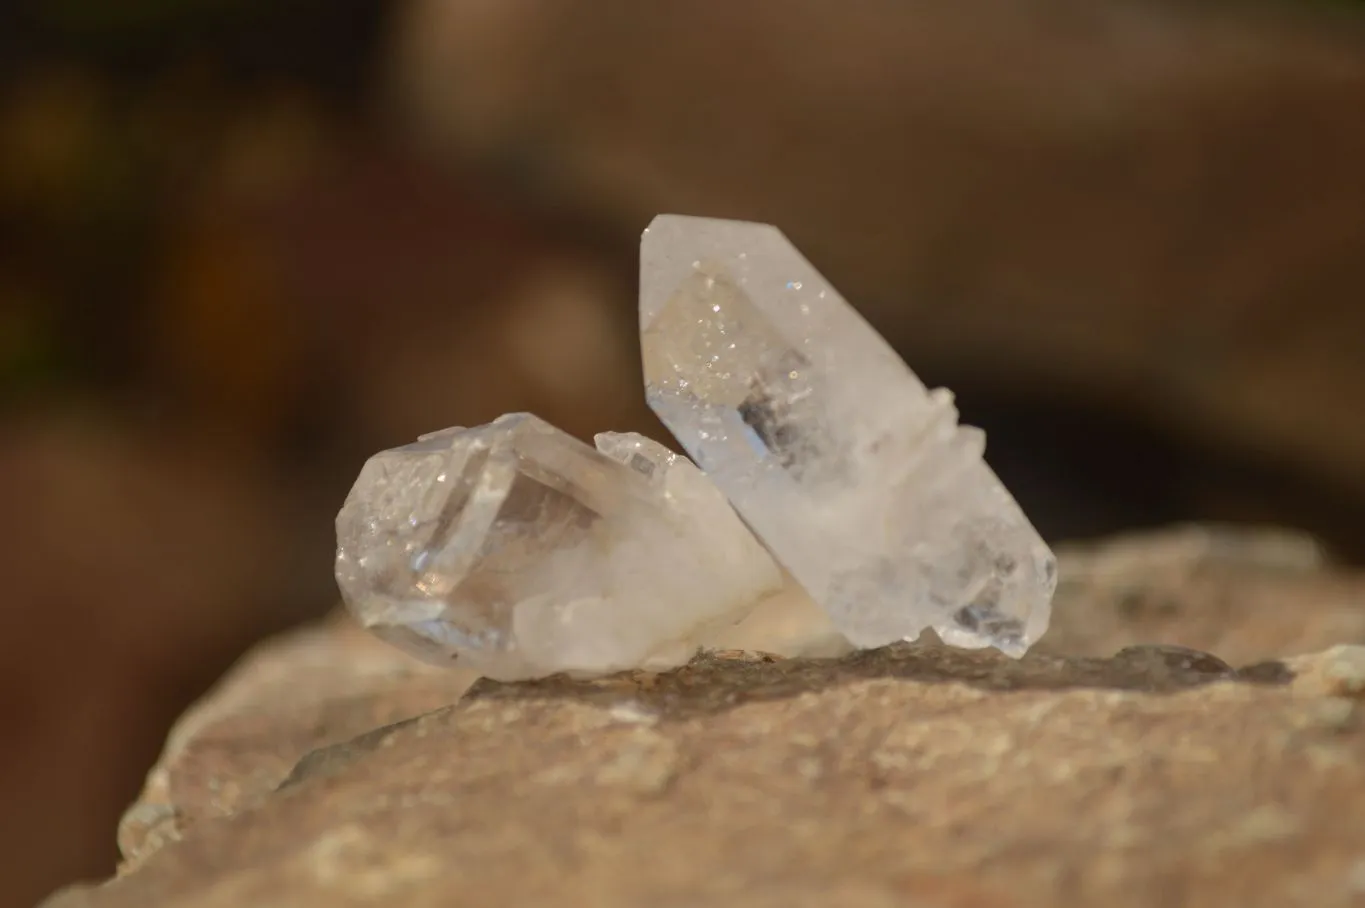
(855, 475)
(773, 408)
(737, 358)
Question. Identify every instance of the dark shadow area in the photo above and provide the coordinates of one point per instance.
(716, 683)
(1083, 469)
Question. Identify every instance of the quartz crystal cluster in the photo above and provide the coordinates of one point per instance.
(520, 551)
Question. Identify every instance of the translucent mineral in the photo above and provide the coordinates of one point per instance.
(785, 621)
(855, 475)
(520, 551)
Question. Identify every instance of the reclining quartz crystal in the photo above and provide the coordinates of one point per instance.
(521, 551)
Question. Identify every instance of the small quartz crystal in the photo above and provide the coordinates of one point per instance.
(521, 551)
(855, 475)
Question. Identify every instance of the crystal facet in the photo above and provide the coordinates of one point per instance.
(857, 477)
(522, 552)
(785, 622)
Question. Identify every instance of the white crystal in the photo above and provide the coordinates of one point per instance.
(854, 475)
(785, 622)
(521, 552)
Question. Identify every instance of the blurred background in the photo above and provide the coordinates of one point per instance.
(244, 244)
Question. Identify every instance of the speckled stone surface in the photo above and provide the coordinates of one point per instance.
(916, 775)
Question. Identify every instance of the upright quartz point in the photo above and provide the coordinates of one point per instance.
(857, 477)
(521, 552)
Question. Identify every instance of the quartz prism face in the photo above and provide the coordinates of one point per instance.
(784, 621)
(856, 477)
(520, 551)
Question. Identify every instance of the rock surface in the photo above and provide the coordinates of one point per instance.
(1247, 595)
(330, 770)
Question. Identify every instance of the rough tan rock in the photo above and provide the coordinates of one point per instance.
(302, 691)
(330, 770)
(1246, 594)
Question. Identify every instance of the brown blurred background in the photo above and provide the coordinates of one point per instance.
(243, 245)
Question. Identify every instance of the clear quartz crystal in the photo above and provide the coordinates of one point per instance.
(784, 622)
(521, 551)
(856, 476)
